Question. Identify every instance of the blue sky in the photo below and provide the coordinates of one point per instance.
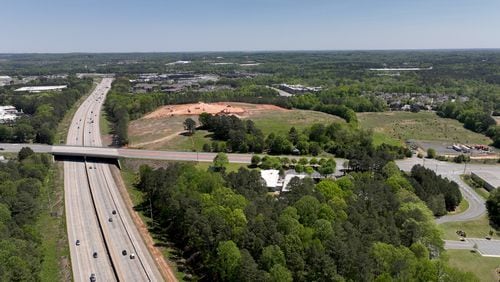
(228, 25)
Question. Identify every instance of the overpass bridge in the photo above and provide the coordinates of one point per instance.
(116, 153)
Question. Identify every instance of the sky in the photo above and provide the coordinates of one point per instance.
(58, 26)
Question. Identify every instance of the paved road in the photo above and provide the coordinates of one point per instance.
(102, 198)
(487, 248)
(82, 223)
(453, 171)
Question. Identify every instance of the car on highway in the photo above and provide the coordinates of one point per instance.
(132, 256)
(94, 254)
(77, 242)
(113, 212)
(110, 219)
(92, 277)
(124, 252)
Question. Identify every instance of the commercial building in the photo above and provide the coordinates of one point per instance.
(35, 89)
(488, 180)
(8, 114)
(5, 80)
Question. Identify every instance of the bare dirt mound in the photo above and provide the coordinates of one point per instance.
(238, 109)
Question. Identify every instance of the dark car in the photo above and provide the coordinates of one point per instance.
(95, 255)
(113, 212)
(110, 219)
(92, 277)
(78, 242)
(124, 252)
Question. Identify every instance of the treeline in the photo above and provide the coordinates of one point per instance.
(440, 195)
(43, 112)
(342, 140)
(20, 247)
(122, 107)
(357, 228)
(475, 116)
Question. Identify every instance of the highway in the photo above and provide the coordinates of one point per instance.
(96, 213)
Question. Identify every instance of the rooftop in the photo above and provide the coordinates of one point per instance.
(40, 88)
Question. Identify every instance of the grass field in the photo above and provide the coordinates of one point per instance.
(478, 228)
(400, 126)
(281, 122)
(482, 267)
(166, 130)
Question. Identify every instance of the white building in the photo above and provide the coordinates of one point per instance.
(34, 89)
(278, 183)
(5, 80)
(8, 114)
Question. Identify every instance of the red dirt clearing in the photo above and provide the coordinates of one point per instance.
(238, 109)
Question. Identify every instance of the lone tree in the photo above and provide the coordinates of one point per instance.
(190, 125)
(220, 162)
(24, 153)
(431, 153)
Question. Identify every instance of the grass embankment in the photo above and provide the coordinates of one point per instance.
(394, 127)
(483, 267)
(52, 226)
(476, 186)
(63, 127)
(104, 124)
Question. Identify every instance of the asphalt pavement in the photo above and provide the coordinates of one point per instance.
(452, 171)
(96, 214)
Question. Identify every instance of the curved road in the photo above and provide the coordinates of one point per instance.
(452, 171)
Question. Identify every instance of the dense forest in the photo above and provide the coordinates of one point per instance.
(362, 227)
(440, 195)
(20, 184)
(42, 111)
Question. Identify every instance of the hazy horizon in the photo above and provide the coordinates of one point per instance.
(246, 26)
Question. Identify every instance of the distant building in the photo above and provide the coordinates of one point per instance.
(5, 80)
(34, 89)
(8, 114)
(298, 89)
(488, 180)
(279, 183)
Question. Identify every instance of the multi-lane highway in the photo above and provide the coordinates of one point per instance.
(96, 213)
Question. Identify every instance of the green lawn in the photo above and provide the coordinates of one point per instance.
(477, 187)
(482, 267)
(478, 228)
(280, 122)
(188, 143)
(419, 126)
(104, 124)
(463, 206)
